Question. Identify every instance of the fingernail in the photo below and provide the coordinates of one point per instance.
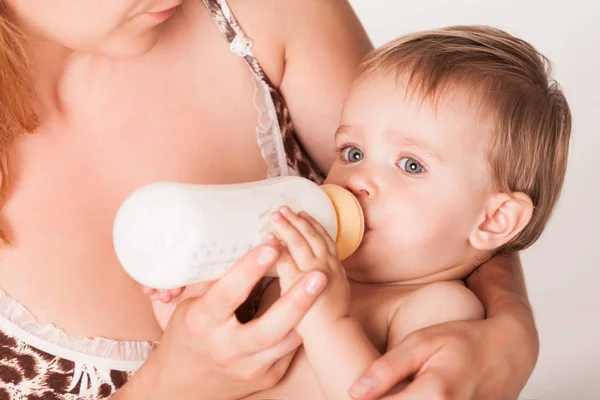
(165, 297)
(285, 210)
(314, 285)
(362, 387)
(303, 214)
(266, 256)
(276, 215)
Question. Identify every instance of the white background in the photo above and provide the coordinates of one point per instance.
(563, 268)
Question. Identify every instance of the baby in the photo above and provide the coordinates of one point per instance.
(455, 144)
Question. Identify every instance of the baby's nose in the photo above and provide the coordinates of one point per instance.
(361, 185)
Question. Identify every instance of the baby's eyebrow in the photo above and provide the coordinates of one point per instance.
(342, 130)
(413, 142)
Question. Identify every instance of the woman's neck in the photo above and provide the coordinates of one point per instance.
(48, 62)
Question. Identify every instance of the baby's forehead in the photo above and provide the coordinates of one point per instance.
(449, 91)
(411, 105)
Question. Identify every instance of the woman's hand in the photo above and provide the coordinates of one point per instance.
(476, 360)
(206, 353)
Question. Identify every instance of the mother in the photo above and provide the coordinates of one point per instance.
(119, 93)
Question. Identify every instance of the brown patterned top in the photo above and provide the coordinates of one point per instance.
(27, 373)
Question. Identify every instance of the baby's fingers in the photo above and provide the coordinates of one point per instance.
(296, 243)
(164, 296)
(330, 243)
(313, 237)
(147, 290)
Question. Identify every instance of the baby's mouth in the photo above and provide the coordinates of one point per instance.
(367, 225)
(366, 233)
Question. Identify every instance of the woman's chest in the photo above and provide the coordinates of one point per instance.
(127, 128)
(130, 127)
(185, 111)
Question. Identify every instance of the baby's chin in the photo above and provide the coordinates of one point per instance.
(354, 266)
(363, 266)
(366, 276)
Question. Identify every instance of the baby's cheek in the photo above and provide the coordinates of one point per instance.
(413, 224)
(418, 231)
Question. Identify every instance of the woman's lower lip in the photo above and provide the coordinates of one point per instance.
(163, 15)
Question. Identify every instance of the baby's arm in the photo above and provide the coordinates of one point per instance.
(433, 304)
(341, 352)
(335, 343)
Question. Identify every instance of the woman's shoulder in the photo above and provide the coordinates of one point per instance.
(276, 27)
(309, 50)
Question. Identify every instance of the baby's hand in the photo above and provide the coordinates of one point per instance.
(164, 296)
(165, 301)
(308, 248)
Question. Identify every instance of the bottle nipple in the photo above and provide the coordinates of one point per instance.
(350, 218)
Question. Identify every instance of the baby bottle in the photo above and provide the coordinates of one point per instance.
(168, 234)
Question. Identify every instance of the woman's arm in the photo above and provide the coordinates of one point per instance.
(324, 44)
(500, 286)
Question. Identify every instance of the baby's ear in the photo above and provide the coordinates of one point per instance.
(505, 216)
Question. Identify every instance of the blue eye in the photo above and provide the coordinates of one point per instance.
(410, 165)
(352, 154)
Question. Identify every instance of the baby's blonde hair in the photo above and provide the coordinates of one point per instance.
(530, 115)
(17, 115)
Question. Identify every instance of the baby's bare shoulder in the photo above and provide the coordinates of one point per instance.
(433, 304)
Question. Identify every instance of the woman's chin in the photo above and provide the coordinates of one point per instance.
(135, 49)
(130, 46)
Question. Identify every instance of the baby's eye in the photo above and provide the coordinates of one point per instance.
(352, 154)
(410, 165)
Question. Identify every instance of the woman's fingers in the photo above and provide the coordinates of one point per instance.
(282, 317)
(233, 288)
(396, 365)
(196, 290)
(431, 385)
(270, 356)
(278, 369)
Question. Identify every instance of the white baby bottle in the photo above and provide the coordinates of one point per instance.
(170, 234)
